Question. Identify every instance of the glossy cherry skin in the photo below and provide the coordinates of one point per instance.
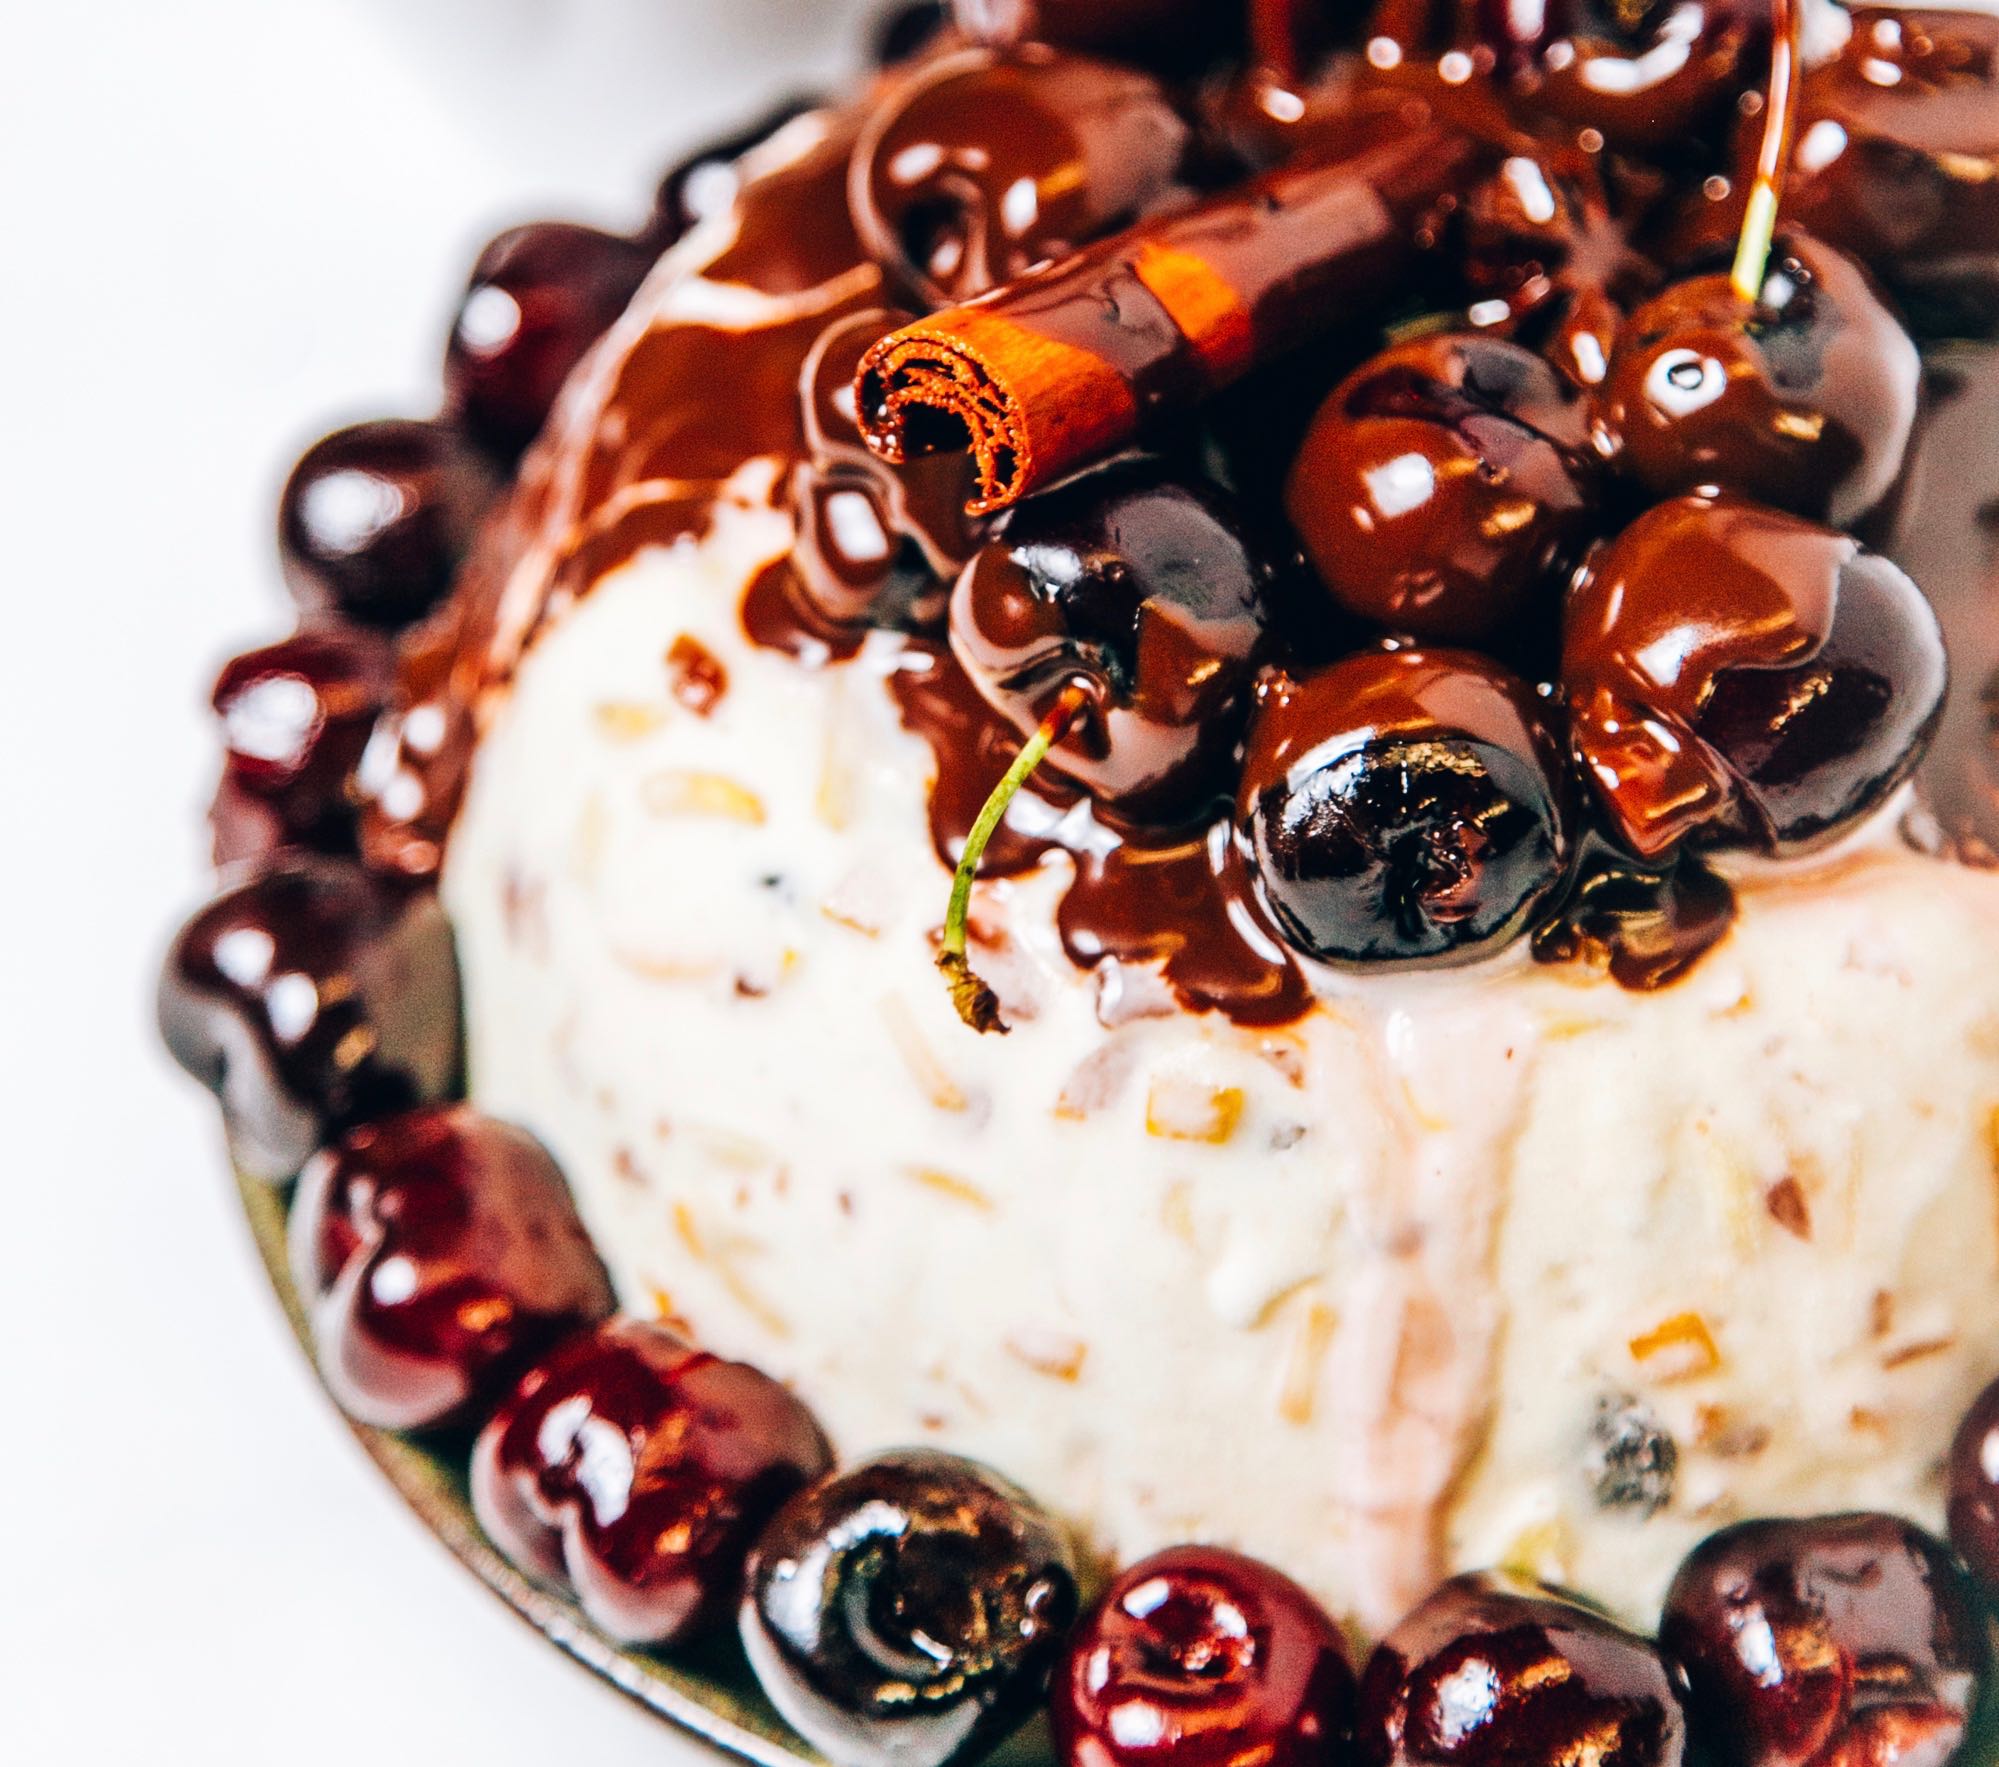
(439, 1255)
(982, 164)
(906, 1613)
(907, 29)
(1805, 400)
(1895, 160)
(638, 1470)
(1737, 676)
(1653, 85)
(1403, 807)
(1142, 587)
(375, 520)
(1842, 1641)
(296, 717)
(1197, 1657)
(1974, 1489)
(310, 997)
(538, 298)
(1492, 1671)
(1441, 486)
(705, 183)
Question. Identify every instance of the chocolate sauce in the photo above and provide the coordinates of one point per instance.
(692, 401)
(1177, 900)
(973, 746)
(934, 190)
(1949, 542)
(1187, 906)
(1646, 928)
(778, 614)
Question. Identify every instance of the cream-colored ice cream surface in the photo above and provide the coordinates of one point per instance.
(1347, 1294)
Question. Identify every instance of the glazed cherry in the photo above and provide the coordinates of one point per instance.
(439, 1255)
(538, 298)
(1805, 399)
(375, 520)
(1403, 807)
(875, 545)
(637, 1470)
(704, 184)
(1844, 1641)
(907, 29)
(308, 998)
(1739, 676)
(1442, 485)
(906, 1613)
(296, 717)
(1197, 1657)
(981, 165)
(1141, 587)
(1974, 1489)
(1492, 1671)
(1652, 76)
(1894, 159)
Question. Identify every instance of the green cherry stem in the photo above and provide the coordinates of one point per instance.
(977, 1004)
(1780, 119)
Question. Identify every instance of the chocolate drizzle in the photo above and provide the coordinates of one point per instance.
(1187, 906)
(1179, 901)
(722, 367)
(1645, 928)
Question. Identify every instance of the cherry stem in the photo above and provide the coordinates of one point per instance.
(1780, 118)
(977, 1004)
(998, 22)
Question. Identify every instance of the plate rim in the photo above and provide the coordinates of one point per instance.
(424, 1479)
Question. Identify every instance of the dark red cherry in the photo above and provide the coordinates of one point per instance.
(308, 998)
(375, 520)
(1896, 160)
(296, 717)
(1652, 76)
(906, 29)
(1743, 677)
(1142, 588)
(538, 298)
(1172, 36)
(906, 1613)
(982, 164)
(438, 1255)
(637, 1470)
(1493, 1671)
(1843, 1641)
(1804, 400)
(1974, 1489)
(704, 184)
(1199, 1657)
(875, 545)
(1442, 485)
(1403, 807)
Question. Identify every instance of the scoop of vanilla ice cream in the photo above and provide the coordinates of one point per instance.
(1502, 1264)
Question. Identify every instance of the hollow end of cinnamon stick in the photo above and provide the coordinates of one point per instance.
(923, 393)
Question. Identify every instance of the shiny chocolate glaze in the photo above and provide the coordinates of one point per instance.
(1745, 677)
(982, 164)
(1645, 928)
(1804, 399)
(1543, 223)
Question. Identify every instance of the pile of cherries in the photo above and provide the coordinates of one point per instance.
(1572, 583)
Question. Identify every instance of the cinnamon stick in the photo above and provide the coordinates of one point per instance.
(1070, 363)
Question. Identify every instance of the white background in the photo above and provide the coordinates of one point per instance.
(225, 225)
